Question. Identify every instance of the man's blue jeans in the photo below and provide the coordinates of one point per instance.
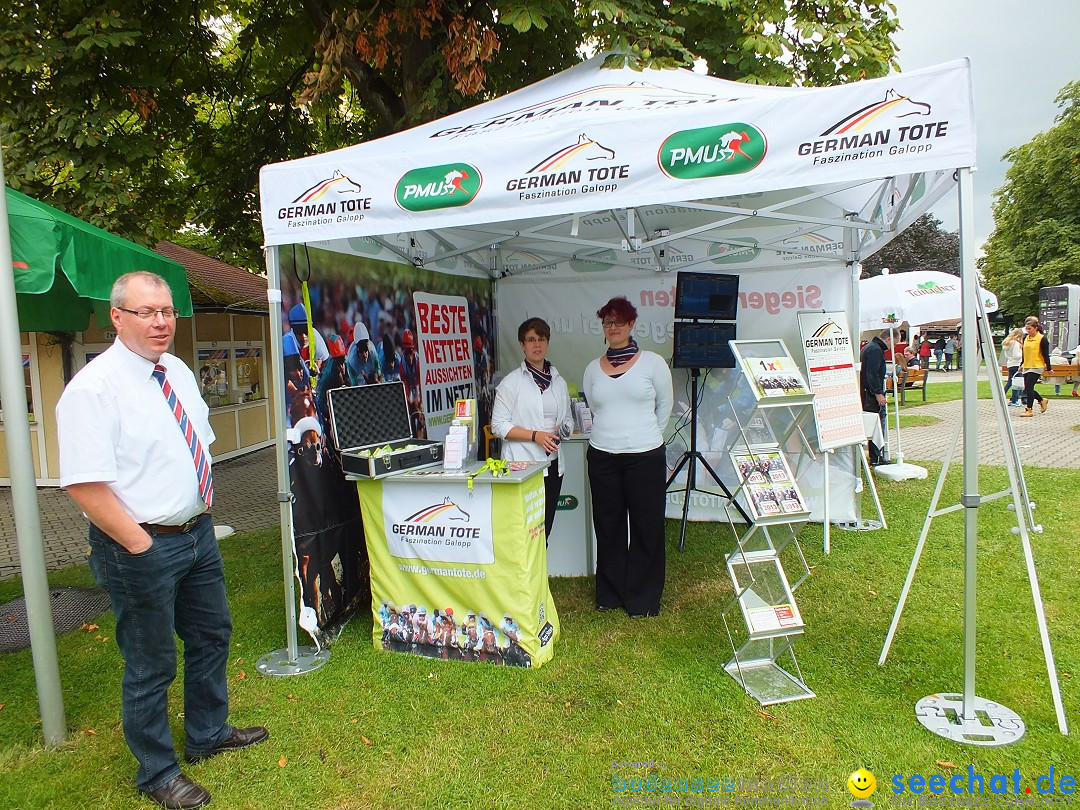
(177, 584)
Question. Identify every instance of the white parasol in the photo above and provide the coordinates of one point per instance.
(921, 296)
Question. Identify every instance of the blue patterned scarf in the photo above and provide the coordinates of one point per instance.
(624, 355)
(541, 378)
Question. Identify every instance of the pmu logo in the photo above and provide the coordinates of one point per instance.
(566, 503)
(717, 151)
(447, 186)
(729, 253)
(447, 510)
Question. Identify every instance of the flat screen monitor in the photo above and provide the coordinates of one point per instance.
(703, 345)
(711, 296)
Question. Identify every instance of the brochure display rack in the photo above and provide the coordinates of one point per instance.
(763, 592)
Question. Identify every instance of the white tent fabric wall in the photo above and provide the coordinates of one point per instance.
(618, 175)
(770, 299)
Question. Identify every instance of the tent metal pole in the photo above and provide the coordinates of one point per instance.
(969, 293)
(965, 717)
(24, 497)
(293, 660)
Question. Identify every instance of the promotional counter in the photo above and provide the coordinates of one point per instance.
(460, 573)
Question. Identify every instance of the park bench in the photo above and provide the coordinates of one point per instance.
(910, 378)
(1057, 375)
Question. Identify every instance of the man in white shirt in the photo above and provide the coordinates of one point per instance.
(134, 436)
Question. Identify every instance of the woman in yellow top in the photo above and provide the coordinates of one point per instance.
(1036, 360)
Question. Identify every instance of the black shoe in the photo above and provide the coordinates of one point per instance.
(239, 738)
(181, 794)
(604, 608)
(648, 614)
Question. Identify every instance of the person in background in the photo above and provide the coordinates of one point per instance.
(362, 361)
(1057, 359)
(1036, 360)
(630, 394)
(389, 360)
(1012, 350)
(532, 412)
(333, 375)
(924, 354)
(1075, 360)
(950, 351)
(147, 489)
(297, 338)
(872, 383)
(939, 352)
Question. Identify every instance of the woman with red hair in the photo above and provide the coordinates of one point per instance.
(629, 393)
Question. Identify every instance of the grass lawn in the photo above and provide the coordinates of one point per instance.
(381, 730)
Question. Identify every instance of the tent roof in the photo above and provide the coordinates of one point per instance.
(600, 169)
(45, 240)
(216, 285)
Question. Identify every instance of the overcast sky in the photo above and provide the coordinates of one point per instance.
(1021, 54)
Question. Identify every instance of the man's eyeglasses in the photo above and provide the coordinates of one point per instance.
(608, 324)
(536, 339)
(146, 314)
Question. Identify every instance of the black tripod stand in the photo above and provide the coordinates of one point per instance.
(692, 456)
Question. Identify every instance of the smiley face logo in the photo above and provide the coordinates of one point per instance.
(862, 784)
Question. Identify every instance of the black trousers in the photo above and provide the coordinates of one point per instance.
(552, 488)
(1031, 396)
(628, 496)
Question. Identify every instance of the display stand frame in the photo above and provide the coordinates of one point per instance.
(762, 592)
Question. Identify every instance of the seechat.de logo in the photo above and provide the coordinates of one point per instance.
(431, 187)
(717, 151)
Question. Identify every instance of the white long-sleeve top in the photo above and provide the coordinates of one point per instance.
(519, 403)
(1014, 353)
(629, 412)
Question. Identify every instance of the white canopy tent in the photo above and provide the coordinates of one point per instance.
(647, 170)
(619, 174)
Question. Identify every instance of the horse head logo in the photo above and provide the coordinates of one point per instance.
(454, 512)
(447, 510)
(585, 148)
(336, 184)
(892, 106)
(904, 106)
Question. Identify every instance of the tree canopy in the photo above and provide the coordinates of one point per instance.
(149, 118)
(923, 245)
(1036, 238)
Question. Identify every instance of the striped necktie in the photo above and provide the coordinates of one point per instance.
(202, 463)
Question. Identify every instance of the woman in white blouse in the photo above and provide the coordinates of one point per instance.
(629, 394)
(532, 410)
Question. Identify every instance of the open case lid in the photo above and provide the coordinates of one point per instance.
(369, 414)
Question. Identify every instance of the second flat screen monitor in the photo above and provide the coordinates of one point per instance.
(708, 296)
(703, 345)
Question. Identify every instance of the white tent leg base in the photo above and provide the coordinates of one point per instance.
(900, 471)
(864, 525)
(992, 725)
(276, 664)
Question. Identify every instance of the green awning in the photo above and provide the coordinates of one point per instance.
(65, 268)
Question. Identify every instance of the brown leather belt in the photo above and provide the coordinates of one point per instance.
(158, 528)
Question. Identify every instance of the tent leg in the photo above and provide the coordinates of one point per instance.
(24, 498)
(292, 660)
